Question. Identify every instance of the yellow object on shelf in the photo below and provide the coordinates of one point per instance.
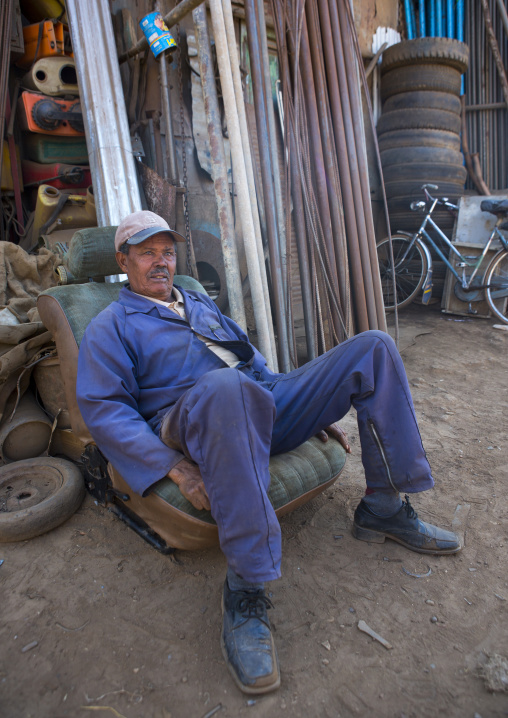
(37, 10)
(7, 185)
(69, 210)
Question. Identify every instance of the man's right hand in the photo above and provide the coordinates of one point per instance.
(187, 477)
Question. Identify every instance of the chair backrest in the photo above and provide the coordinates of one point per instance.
(66, 312)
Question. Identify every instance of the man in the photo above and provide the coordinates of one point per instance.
(169, 387)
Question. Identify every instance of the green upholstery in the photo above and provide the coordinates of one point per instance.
(292, 474)
(82, 302)
(92, 252)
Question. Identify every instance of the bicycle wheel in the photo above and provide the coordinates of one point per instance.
(410, 271)
(496, 279)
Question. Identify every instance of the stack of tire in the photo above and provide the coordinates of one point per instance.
(419, 129)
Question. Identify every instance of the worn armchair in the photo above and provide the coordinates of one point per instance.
(164, 518)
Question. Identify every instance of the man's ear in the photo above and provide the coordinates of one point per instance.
(121, 260)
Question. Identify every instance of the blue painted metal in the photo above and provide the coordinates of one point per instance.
(421, 15)
(432, 32)
(439, 18)
(450, 18)
(460, 20)
(409, 19)
(413, 18)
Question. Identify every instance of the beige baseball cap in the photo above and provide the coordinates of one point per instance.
(138, 226)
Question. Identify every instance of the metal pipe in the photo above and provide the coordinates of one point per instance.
(268, 190)
(502, 11)
(317, 152)
(303, 255)
(242, 116)
(352, 71)
(407, 16)
(439, 18)
(311, 42)
(351, 117)
(342, 124)
(172, 18)
(421, 16)
(432, 23)
(495, 49)
(170, 163)
(235, 140)
(219, 170)
(273, 141)
(106, 126)
(450, 18)
(460, 20)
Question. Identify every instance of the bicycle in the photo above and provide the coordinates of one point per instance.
(413, 261)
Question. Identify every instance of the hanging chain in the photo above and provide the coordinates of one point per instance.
(184, 158)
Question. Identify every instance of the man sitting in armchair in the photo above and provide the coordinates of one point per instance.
(170, 387)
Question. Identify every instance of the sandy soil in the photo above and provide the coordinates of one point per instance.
(124, 631)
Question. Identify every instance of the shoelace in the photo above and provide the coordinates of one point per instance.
(411, 513)
(253, 605)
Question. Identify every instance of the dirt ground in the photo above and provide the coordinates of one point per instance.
(124, 631)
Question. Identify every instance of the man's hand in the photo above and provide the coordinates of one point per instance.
(187, 477)
(336, 432)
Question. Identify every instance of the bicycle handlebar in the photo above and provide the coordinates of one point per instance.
(444, 201)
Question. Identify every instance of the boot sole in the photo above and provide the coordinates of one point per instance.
(363, 534)
(250, 690)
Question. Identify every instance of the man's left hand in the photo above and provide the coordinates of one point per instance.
(335, 432)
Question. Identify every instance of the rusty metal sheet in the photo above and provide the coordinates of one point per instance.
(160, 194)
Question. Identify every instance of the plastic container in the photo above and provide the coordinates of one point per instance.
(157, 34)
(50, 148)
(77, 211)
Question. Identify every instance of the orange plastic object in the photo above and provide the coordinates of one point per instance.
(26, 104)
(52, 42)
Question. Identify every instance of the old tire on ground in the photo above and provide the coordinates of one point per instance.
(425, 99)
(400, 155)
(434, 172)
(438, 78)
(37, 495)
(419, 138)
(421, 119)
(427, 50)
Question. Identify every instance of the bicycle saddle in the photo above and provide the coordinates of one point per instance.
(495, 206)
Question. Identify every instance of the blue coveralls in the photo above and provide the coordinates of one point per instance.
(140, 363)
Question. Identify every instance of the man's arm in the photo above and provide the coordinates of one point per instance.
(107, 394)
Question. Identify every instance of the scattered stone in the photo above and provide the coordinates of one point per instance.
(433, 619)
(326, 644)
(429, 602)
(29, 646)
(495, 673)
(325, 661)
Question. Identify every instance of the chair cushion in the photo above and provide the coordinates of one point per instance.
(293, 475)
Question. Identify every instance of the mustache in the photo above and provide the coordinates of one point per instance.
(159, 271)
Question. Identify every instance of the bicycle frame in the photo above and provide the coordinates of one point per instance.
(464, 262)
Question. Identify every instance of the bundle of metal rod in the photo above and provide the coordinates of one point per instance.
(486, 109)
(434, 18)
(326, 154)
(257, 66)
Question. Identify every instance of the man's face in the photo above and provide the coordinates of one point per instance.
(150, 266)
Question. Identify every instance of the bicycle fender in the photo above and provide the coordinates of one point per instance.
(427, 284)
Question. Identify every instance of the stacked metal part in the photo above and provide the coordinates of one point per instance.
(486, 90)
(419, 130)
(327, 181)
